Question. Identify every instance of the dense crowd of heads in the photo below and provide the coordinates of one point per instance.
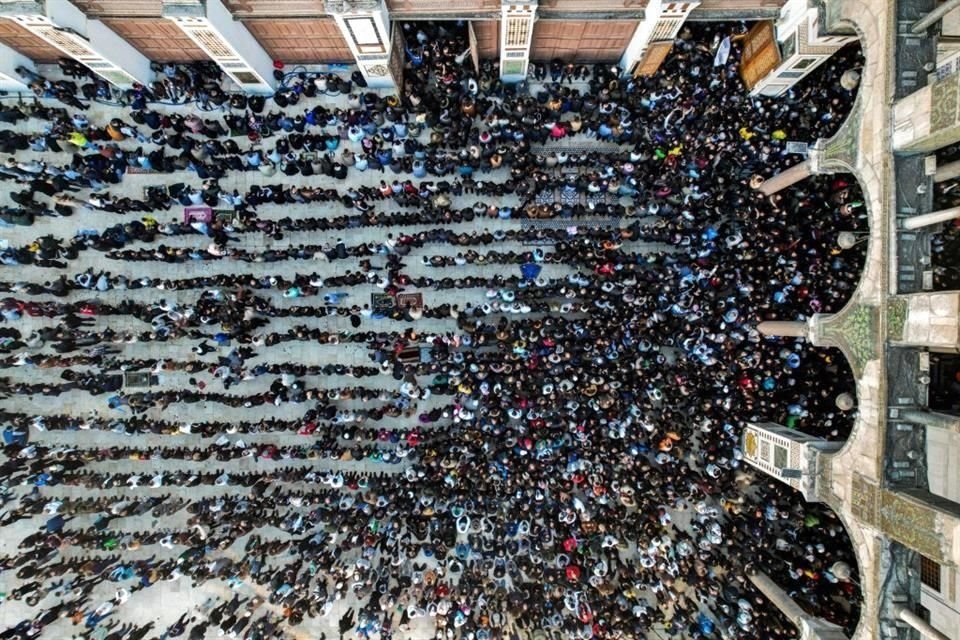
(549, 442)
(945, 245)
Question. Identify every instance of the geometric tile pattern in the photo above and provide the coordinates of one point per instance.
(946, 98)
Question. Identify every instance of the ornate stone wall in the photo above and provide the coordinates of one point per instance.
(862, 148)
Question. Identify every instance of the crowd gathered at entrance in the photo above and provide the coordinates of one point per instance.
(945, 243)
(552, 291)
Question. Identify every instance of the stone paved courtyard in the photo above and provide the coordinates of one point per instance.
(192, 442)
(164, 602)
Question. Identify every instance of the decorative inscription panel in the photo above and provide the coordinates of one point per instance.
(944, 103)
(912, 524)
(864, 498)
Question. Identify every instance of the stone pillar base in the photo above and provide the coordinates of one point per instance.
(787, 178)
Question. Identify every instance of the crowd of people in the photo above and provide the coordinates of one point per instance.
(546, 442)
(945, 242)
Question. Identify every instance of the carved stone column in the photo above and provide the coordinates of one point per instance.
(787, 178)
(784, 328)
(932, 218)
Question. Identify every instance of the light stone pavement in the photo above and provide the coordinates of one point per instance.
(166, 601)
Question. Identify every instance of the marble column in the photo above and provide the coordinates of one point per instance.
(930, 419)
(935, 16)
(228, 43)
(948, 171)
(932, 218)
(367, 29)
(784, 328)
(920, 625)
(811, 628)
(89, 42)
(784, 179)
(516, 36)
